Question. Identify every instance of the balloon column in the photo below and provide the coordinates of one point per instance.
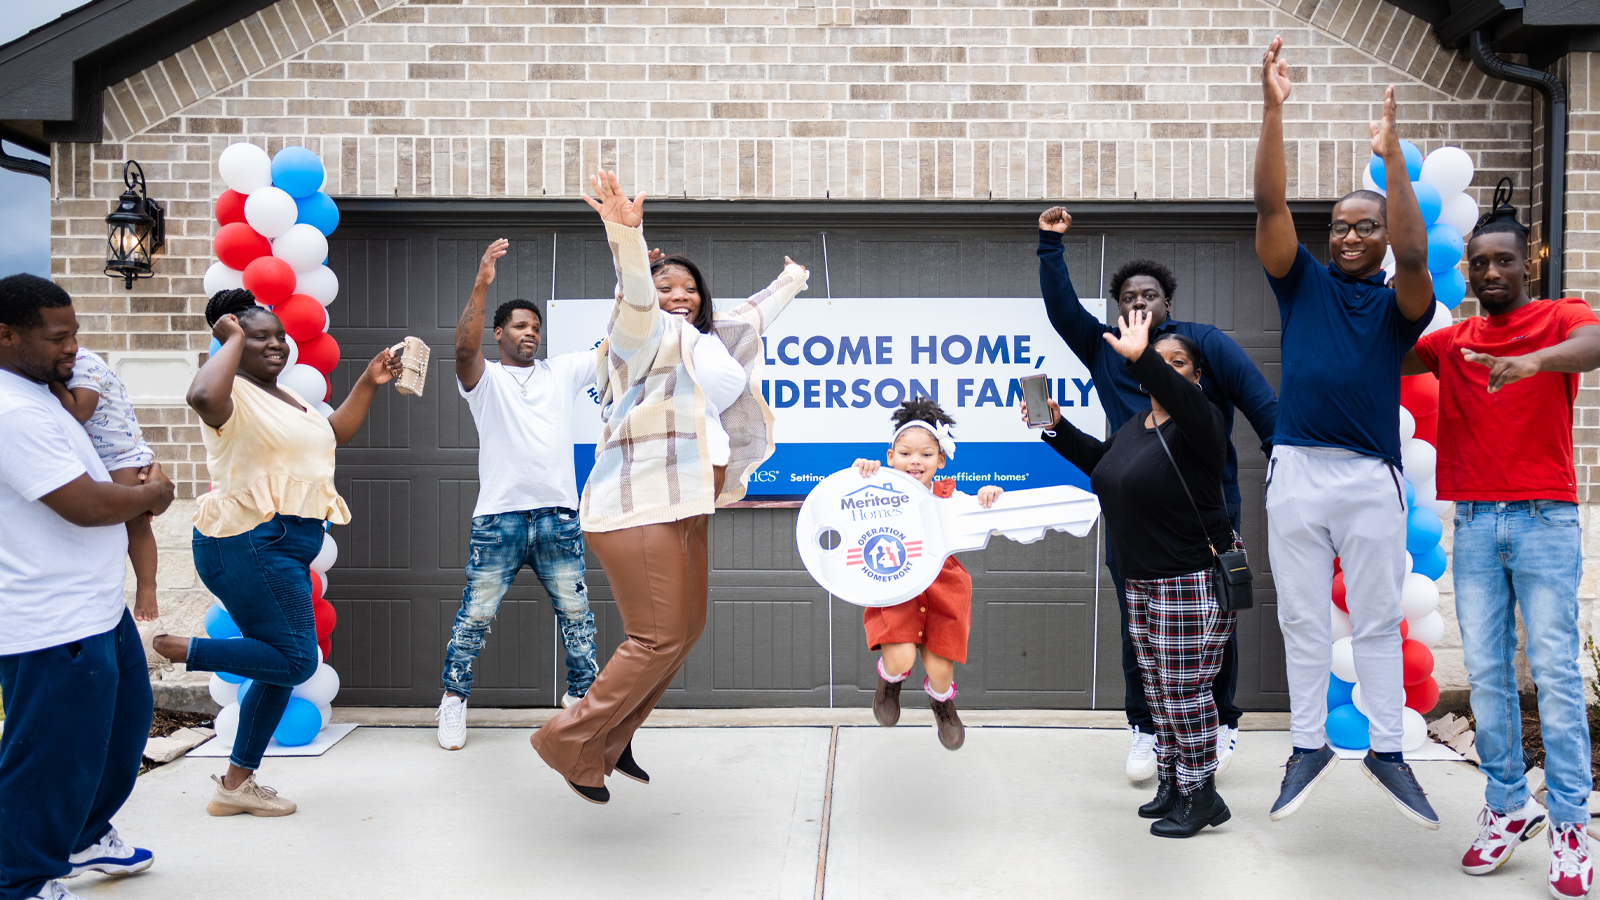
(272, 238)
(1439, 181)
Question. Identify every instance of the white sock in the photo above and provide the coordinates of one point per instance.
(892, 679)
(928, 687)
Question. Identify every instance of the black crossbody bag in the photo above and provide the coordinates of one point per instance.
(1230, 572)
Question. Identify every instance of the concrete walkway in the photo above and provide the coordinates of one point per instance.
(742, 812)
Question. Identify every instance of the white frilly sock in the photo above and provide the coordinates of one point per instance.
(928, 687)
(892, 679)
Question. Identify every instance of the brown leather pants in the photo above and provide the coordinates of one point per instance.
(658, 576)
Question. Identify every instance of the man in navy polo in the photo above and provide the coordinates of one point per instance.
(1228, 378)
(1333, 484)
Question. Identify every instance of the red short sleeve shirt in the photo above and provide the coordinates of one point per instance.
(1515, 444)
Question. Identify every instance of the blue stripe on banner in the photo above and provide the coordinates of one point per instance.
(794, 468)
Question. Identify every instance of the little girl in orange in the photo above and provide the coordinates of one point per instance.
(938, 620)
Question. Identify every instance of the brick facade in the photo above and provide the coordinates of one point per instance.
(1036, 99)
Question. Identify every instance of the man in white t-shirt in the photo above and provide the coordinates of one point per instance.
(527, 510)
(72, 666)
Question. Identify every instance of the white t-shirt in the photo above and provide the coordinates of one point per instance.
(524, 419)
(721, 380)
(59, 582)
(113, 429)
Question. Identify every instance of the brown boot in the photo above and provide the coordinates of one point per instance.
(952, 734)
(886, 701)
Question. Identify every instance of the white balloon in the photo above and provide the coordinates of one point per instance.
(1460, 212)
(245, 168)
(226, 724)
(1356, 698)
(221, 278)
(302, 246)
(1448, 169)
(327, 715)
(319, 654)
(1418, 459)
(1419, 596)
(1442, 318)
(1340, 624)
(1425, 491)
(1408, 425)
(222, 692)
(1428, 630)
(320, 284)
(320, 688)
(319, 583)
(1367, 183)
(1410, 563)
(322, 408)
(303, 380)
(1444, 509)
(294, 352)
(1414, 732)
(1344, 660)
(270, 211)
(327, 556)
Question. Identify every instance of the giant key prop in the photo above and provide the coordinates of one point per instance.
(882, 540)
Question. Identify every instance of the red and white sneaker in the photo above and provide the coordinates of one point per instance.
(1500, 835)
(1571, 870)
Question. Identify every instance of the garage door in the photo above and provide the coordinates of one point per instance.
(1044, 618)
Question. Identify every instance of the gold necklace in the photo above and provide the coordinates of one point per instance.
(523, 384)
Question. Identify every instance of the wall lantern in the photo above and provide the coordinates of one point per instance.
(136, 229)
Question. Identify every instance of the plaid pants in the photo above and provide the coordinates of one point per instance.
(1179, 634)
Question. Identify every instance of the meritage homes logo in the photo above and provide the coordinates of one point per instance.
(883, 553)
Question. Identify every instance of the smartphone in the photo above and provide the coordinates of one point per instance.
(1036, 393)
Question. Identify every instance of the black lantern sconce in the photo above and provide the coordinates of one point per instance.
(136, 229)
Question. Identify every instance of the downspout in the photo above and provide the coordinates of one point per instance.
(25, 166)
(1555, 150)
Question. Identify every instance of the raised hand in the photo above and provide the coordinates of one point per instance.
(1275, 85)
(1055, 219)
(227, 327)
(1503, 370)
(613, 205)
(656, 256)
(988, 494)
(789, 262)
(867, 467)
(1385, 140)
(1055, 414)
(490, 256)
(1133, 336)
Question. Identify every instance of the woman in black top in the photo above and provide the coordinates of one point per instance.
(1177, 629)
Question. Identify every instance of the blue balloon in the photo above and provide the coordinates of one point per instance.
(1411, 496)
(1428, 200)
(219, 625)
(1430, 563)
(245, 684)
(214, 348)
(297, 172)
(1423, 530)
(1339, 692)
(1444, 248)
(229, 677)
(1347, 727)
(318, 211)
(1450, 287)
(299, 724)
(1410, 151)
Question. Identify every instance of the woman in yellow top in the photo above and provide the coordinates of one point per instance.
(257, 530)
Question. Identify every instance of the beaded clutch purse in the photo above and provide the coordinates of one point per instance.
(414, 362)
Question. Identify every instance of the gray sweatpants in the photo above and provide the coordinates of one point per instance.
(1323, 503)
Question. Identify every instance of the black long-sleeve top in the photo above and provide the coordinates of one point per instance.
(1152, 527)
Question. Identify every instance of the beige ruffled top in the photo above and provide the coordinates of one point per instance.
(268, 458)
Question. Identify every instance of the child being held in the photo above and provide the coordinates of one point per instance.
(95, 396)
(938, 620)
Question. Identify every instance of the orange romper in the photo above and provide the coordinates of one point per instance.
(939, 618)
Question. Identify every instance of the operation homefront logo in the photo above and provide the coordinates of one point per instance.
(884, 554)
(874, 501)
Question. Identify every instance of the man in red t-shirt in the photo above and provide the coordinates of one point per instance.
(1506, 385)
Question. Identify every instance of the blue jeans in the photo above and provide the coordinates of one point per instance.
(262, 578)
(1526, 554)
(549, 541)
(77, 717)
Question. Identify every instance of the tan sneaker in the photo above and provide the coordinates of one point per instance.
(153, 661)
(249, 797)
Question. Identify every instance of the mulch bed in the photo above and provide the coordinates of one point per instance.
(1532, 741)
(167, 721)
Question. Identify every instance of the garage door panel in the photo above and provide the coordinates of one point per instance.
(517, 656)
(372, 646)
(374, 283)
(389, 424)
(381, 518)
(456, 499)
(1035, 643)
(769, 644)
(755, 540)
(1056, 552)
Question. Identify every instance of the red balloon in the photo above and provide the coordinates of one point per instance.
(1423, 696)
(1428, 430)
(1420, 395)
(327, 392)
(270, 279)
(301, 316)
(1418, 661)
(326, 646)
(1338, 591)
(326, 617)
(230, 208)
(1405, 629)
(320, 353)
(237, 245)
(1338, 565)
(316, 588)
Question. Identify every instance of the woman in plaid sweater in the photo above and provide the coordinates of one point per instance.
(1177, 629)
(683, 428)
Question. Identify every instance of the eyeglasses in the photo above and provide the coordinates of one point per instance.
(1364, 228)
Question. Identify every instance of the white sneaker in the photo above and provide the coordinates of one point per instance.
(568, 701)
(1499, 835)
(452, 716)
(1571, 870)
(1141, 756)
(54, 890)
(1227, 740)
(110, 856)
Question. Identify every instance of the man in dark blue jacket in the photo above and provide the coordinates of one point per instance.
(1229, 379)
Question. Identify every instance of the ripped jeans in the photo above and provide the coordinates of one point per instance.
(549, 541)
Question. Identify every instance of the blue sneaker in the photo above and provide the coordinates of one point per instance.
(1301, 774)
(110, 857)
(1397, 781)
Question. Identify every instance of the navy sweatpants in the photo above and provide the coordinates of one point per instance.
(77, 717)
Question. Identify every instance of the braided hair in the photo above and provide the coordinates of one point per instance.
(1502, 216)
(922, 408)
(238, 302)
